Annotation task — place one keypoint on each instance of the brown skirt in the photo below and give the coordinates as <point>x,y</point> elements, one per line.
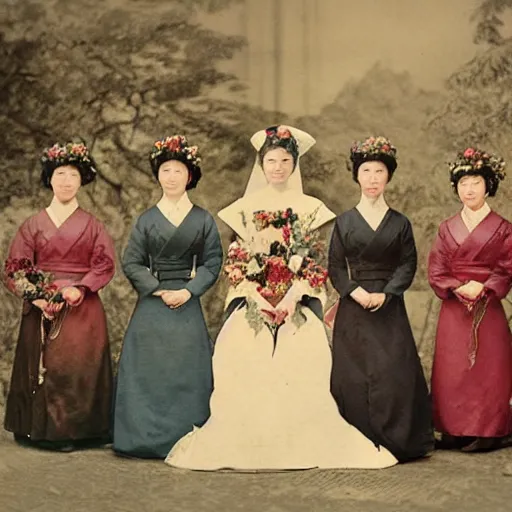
<point>74,399</point>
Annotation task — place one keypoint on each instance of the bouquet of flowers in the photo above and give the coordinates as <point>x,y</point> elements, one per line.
<point>31,283</point>
<point>291,258</point>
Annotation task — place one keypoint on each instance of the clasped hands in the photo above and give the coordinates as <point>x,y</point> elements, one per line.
<point>72,297</point>
<point>471,290</point>
<point>173,298</point>
<point>371,301</point>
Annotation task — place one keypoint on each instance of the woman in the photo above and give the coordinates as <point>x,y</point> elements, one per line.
<point>377,379</point>
<point>470,270</point>
<point>61,387</point>
<point>271,407</point>
<point>173,257</point>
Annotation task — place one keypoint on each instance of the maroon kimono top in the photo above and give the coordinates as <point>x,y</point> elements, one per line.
<point>74,400</point>
<point>472,371</point>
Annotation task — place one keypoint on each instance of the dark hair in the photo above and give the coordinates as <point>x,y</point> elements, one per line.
<point>358,159</point>
<point>275,140</point>
<point>87,170</point>
<point>492,180</point>
<point>194,171</point>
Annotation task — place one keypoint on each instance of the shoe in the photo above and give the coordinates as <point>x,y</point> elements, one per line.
<point>56,446</point>
<point>24,441</point>
<point>480,444</point>
<point>448,442</point>
<point>91,443</point>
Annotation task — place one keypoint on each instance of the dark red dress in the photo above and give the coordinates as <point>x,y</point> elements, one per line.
<point>472,371</point>
<point>74,400</point>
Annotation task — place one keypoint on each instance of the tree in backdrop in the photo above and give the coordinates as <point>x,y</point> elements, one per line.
<point>478,109</point>
<point>119,76</point>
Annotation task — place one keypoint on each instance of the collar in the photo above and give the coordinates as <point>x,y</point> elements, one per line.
<point>63,210</point>
<point>167,205</point>
<point>475,217</point>
<point>379,205</point>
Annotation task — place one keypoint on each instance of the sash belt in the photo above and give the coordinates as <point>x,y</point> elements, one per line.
<point>169,275</point>
<point>370,274</point>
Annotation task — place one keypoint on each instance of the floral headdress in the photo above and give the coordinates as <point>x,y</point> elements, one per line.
<point>176,145</point>
<point>69,153</point>
<point>277,135</point>
<point>374,146</point>
<point>474,159</point>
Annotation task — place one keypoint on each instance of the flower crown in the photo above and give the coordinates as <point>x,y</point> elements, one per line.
<point>473,159</point>
<point>71,152</point>
<point>177,144</point>
<point>281,133</point>
<point>374,146</point>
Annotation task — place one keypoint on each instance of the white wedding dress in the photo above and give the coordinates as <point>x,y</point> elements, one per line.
<point>274,411</point>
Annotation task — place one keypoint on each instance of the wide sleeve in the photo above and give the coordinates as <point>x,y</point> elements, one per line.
<point>136,265</point>
<point>440,276</point>
<point>22,246</point>
<point>337,265</point>
<point>208,272</point>
<point>500,280</point>
<point>102,262</point>
<point>404,273</point>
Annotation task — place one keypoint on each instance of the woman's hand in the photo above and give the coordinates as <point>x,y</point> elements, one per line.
<point>49,309</point>
<point>376,301</point>
<point>40,303</point>
<point>52,309</point>
<point>72,295</point>
<point>362,297</point>
<point>174,298</point>
<point>470,290</point>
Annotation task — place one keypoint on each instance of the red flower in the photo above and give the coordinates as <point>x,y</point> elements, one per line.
<point>278,271</point>
<point>286,234</point>
<point>469,153</point>
<point>173,144</point>
<point>283,132</point>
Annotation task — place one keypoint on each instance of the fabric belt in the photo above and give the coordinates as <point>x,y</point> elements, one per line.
<point>370,274</point>
<point>169,275</point>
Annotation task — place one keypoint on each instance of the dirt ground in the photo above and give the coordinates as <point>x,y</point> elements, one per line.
<point>96,480</point>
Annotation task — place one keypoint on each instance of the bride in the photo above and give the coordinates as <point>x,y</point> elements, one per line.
<point>271,407</point>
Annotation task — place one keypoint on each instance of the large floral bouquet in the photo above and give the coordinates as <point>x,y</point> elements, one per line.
<point>31,283</point>
<point>292,258</point>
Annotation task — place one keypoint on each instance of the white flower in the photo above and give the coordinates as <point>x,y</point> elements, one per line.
<point>295,263</point>
<point>253,267</point>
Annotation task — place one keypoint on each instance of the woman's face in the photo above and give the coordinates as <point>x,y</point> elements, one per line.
<point>471,190</point>
<point>277,166</point>
<point>65,182</point>
<point>173,176</point>
<point>372,177</point>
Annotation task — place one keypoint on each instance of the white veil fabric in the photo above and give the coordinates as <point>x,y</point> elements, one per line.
<point>260,195</point>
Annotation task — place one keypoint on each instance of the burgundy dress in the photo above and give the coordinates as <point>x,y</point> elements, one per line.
<point>472,371</point>
<point>74,400</point>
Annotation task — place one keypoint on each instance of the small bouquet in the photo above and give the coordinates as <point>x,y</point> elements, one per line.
<point>31,283</point>
<point>292,258</point>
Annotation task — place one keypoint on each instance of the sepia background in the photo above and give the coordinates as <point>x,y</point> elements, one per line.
<point>433,76</point>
